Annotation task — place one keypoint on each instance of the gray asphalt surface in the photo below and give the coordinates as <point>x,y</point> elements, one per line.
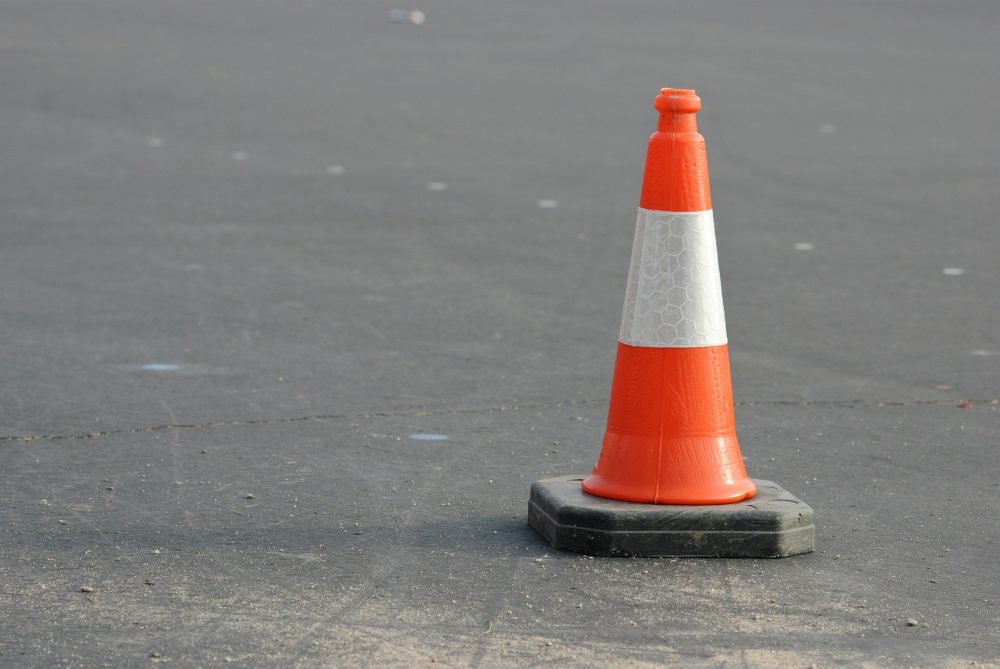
<point>237,193</point>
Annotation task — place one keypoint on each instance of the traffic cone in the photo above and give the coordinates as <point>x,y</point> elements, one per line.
<point>670,479</point>
<point>671,435</point>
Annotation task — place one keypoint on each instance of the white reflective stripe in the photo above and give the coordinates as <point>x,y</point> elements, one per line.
<point>674,295</point>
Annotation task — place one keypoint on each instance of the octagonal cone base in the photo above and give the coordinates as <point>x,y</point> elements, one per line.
<point>774,523</point>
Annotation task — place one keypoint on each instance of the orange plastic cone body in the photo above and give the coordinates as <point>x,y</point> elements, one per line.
<point>671,433</point>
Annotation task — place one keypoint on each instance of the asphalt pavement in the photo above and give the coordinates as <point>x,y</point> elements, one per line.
<point>297,298</point>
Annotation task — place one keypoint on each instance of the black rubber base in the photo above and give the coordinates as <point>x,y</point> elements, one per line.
<point>774,523</point>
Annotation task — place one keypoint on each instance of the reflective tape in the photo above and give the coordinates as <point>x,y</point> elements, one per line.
<point>674,295</point>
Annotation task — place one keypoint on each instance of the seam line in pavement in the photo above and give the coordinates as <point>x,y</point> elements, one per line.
<point>481,410</point>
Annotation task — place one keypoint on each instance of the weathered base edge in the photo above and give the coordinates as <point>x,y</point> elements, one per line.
<point>774,523</point>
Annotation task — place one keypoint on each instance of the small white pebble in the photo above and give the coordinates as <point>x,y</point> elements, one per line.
<point>910,622</point>
<point>437,185</point>
<point>335,169</point>
<point>804,246</point>
<point>548,204</point>
<point>415,17</point>
<point>953,271</point>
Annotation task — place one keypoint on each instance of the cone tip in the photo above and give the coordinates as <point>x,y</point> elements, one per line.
<point>678,100</point>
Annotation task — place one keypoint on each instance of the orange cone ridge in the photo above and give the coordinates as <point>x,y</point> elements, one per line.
<point>671,433</point>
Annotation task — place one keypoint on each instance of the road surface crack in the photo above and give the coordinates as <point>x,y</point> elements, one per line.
<point>416,413</point>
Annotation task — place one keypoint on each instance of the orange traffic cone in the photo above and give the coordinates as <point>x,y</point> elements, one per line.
<point>671,435</point>
<point>670,479</point>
